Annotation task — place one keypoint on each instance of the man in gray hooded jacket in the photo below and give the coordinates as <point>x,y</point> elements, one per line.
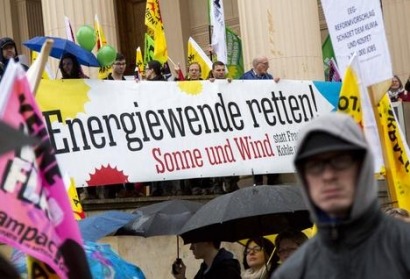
<point>355,239</point>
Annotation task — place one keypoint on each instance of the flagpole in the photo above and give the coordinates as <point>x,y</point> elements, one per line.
<point>209,30</point>
<point>210,40</point>
<point>39,65</point>
<point>389,176</point>
<point>170,60</point>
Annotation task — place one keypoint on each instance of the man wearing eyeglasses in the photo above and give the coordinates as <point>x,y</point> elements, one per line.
<point>355,239</point>
<point>118,68</point>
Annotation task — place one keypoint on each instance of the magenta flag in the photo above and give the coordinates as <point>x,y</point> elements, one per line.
<point>35,212</point>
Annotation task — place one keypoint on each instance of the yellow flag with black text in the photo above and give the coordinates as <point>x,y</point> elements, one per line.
<point>397,152</point>
<point>153,21</point>
<point>349,98</point>
<point>139,63</point>
<point>354,100</point>
<point>101,41</point>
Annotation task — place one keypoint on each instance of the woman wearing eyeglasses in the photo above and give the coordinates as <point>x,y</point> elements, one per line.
<point>259,259</point>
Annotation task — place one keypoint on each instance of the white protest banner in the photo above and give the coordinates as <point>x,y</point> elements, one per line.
<point>357,26</point>
<point>112,132</point>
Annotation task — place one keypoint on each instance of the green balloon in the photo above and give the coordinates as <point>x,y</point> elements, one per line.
<point>86,37</point>
<point>106,55</point>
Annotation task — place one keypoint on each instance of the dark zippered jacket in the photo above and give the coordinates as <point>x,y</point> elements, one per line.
<point>368,244</point>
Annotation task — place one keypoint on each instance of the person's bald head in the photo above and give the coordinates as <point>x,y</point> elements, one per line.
<point>260,65</point>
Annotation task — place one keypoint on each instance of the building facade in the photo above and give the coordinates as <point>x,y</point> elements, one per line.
<point>289,32</point>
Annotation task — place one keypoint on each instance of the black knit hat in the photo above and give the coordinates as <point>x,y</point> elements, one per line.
<point>321,142</point>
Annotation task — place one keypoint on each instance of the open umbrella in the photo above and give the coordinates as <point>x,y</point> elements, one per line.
<point>62,46</point>
<point>163,218</point>
<point>248,212</point>
<point>11,138</point>
<point>104,263</point>
<point>95,227</point>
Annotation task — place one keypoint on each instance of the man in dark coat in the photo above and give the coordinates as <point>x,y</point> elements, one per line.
<point>355,238</point>
<point>218,262</point>
<point>8,50</point>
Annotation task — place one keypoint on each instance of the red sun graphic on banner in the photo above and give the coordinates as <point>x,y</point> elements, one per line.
<point>107,175</point>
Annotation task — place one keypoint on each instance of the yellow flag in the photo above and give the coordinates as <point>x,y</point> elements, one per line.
<point>139,62</point>
<point>75,201</point>
<point>196,54</point>
<point>349,99</point>
<point>354,100</point>
<point>397,152</point>
<point>45,74</point>
<point>153,21</point>
<point>37,269</point>
<point>101,41</point>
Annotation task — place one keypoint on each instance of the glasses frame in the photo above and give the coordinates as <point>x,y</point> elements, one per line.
<point>254,250</point>
<point>338,162</point>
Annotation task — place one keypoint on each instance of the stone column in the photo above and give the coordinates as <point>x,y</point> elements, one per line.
<point>175,15</point>
<point>6,19</point>
<point>397,26</point>
<point>287,32</point>
<point>80,13</point>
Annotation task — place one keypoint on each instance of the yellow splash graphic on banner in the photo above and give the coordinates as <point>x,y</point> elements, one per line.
<point>69,99</point>
<point>190,87</point>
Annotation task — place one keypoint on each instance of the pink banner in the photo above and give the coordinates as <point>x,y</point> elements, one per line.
<point>35,212</point>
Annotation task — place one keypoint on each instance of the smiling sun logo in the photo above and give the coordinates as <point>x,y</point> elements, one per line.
<point>69,96</point>
<point>190,87</point>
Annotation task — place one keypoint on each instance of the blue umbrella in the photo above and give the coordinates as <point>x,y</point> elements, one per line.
<point>62,46</point>
<point>104,263</point>
<point>95,227</point>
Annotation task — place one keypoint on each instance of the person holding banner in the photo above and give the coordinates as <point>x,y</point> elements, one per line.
<point>194,71</point>
<point>355,239</point>
<point>260,68</point>
<point>153,71</point>
<point>118,68</point>
<point>259,71</point>
<point>218,72</point>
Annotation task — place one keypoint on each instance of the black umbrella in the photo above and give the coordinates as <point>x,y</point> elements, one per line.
<point>163,218</point>
<point>248,212</point>
<point>11,138</point>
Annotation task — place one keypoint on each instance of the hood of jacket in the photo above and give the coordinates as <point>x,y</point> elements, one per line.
<point>341,126</point>
<point>3,42</point>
